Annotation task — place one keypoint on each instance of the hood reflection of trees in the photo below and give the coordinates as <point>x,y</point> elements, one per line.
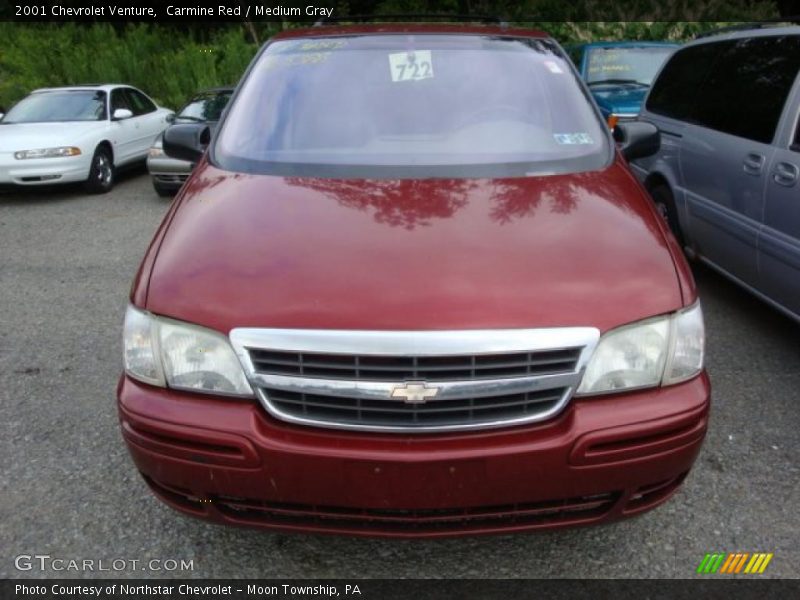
<point>411,203</point>
<point>406,203</point>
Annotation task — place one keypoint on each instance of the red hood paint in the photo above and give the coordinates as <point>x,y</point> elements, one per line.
<point>265,251</point>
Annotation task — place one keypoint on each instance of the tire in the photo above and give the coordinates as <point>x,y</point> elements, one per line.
<point>665,206</point>
<point>164,191</point>
<point>101,173</point>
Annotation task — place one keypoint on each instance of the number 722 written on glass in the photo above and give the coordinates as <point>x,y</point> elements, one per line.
<point>410,66</point>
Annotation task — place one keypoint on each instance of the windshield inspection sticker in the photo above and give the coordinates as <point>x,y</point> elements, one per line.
<point>573,138</point>
<point>411,66</point>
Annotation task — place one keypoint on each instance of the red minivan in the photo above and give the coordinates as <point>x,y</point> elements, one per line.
<point>413,289</point>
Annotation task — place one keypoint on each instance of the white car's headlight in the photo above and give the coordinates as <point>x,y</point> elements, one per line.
<point>179,355</point>
<point>661,351</point>
<point>48,152</point>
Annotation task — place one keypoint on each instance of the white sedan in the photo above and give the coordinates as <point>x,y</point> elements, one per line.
<point>81,133</point>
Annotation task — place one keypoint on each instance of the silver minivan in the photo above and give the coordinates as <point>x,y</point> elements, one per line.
<point>727,176</point>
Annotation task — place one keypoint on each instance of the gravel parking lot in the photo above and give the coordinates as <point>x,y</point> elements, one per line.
<point>70,490</point>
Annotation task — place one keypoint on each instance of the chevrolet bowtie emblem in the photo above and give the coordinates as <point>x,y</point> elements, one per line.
<point>414,392</point>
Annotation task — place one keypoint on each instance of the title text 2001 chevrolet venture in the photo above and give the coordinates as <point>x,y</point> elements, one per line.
<point>413,289</point>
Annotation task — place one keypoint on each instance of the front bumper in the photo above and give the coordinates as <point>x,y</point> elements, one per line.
<point>43,171</point>
<point>168,172</point>
<point>229,462</point>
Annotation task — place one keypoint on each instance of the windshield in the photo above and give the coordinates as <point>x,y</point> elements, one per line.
<point>412,106</point>
<point>620,65</point>
<point>205,107</point>
<point>50,107</point>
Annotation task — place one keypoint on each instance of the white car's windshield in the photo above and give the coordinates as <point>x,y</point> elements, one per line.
<point>412,105</point>
<point>51,107</point>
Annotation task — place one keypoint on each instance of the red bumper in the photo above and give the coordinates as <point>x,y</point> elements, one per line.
<point>228,461</point>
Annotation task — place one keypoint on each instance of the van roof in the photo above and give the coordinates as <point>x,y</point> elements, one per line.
<point>747,30</point>
<point>390,28</point>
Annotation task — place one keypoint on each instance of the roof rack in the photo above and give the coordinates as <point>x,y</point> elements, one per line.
<point>754,25</point>
<point>412,17</point>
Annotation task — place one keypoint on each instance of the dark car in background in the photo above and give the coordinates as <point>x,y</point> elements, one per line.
<point>169,173</point>
<point>727,177</point>
<point>619,73</point>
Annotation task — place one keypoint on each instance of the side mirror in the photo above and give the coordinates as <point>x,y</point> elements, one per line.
<point>170,118</point>
<point>637,139</point>
<point>187,142</point>
<point>122,113</point>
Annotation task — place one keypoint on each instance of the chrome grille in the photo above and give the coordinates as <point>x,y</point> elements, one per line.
<point>363,380</point>
<point>430,368</point>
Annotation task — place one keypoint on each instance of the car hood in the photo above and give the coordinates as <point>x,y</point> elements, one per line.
<point>620,99</point>
<point>31,136</point>
<point>266,251</point>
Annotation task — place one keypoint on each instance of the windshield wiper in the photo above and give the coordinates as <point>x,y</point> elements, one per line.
<point>616,81</point>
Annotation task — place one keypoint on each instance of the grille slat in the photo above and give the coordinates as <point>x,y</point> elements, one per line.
<point>400,414</point>
<point>430,368</point>
<point>304,364</point>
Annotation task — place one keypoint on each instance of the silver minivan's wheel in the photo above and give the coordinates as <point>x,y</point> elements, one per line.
<point>665,206</point>
<point>101,173</point>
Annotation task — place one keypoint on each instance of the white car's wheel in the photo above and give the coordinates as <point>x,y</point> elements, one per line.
<point>101,173</point>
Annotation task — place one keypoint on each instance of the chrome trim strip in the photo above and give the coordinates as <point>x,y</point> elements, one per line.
<point>542,416</point>
<point>447,390</point>
<point>413,343</point>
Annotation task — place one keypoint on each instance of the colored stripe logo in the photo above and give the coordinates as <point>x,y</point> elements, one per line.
<point>733,563</point>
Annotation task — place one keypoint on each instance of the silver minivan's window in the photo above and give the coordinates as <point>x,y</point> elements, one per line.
<point>740,86</point>
<point>412,106</point>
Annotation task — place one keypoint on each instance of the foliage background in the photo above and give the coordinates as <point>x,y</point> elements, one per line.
<point>170,62</point>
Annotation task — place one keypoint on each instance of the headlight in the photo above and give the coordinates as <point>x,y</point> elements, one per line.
<point>139,340</point>
<point>661,351</point>
<point>173,354</point>
<point>48,152</point>
<point>688,346</point>
<point>156,150</point>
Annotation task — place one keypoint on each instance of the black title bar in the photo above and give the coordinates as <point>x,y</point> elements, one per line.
<point>396,589</point>
<point>311,11</point>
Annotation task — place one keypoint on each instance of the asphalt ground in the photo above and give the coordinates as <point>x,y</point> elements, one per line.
<point>70,491</point>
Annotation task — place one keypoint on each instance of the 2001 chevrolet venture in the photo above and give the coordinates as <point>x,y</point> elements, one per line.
<point>413,289</point>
